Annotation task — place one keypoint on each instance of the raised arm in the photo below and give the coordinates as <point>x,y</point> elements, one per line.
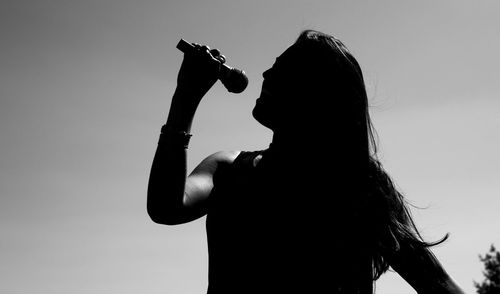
<point>166,203</point>
<point>421,269</point>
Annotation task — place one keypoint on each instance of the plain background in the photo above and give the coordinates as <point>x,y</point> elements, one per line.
<point>86,85</point>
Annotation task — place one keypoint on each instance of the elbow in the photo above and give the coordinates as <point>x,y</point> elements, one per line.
<point>163,214</point>
<point>163,218</point>
<point>160,207</point>
<point>156,217</point>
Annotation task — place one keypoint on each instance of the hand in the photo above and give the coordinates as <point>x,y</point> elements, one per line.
<point>199,72</point>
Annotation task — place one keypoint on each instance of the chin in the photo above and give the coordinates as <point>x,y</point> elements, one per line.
<point>262,117</point>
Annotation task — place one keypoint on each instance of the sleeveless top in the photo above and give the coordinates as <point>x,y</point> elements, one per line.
<point>268,233</point>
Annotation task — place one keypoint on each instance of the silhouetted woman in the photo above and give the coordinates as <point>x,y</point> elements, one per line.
<point>313,213</point>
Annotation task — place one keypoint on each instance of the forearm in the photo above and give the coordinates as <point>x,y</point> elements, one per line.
<point>167,180</point>
<point>422,270</point>
<point>169,168</point>
<point>452,287</point>
<point>182,110</point>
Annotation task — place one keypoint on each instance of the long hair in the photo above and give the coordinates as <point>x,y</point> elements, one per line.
<point>387,212</point>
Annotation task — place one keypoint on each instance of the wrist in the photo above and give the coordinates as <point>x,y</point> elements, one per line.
<point>179,123</point>
<point>174,137</point>
<point>189,93</point>
<point>181,113</point>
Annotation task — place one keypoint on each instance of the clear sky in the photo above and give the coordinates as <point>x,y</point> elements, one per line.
<point>86,85</point>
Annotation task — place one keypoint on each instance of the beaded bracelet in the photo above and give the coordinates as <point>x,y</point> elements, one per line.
<point>174,137</point>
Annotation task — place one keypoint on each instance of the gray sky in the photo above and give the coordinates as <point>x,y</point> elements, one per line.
<point>85,87</point>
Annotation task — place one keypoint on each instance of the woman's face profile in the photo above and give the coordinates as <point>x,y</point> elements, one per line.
<point>279,89</point>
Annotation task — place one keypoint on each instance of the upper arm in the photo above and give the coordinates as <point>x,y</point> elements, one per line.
<point>421,269</point>
<point>199,184</point>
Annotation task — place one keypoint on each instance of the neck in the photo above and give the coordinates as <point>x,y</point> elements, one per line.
<point>288,143</point>
<point>288,152</point>
<point>313,142</point>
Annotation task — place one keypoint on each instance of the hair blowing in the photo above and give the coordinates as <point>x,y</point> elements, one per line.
<point>388,212</point>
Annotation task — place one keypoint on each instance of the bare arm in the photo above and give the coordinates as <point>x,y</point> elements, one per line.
<point>172,199</point>
<point>421,269</point>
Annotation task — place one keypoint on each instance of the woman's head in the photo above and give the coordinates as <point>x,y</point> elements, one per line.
<point>315,84</point>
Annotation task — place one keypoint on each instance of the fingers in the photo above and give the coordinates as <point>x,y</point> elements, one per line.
<point>215,53</point>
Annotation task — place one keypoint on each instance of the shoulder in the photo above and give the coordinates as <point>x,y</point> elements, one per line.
<point>222,160</point>
<point>216,160</point>
<point>223,157</point>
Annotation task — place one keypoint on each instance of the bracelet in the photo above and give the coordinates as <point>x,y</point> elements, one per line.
<point>180,138</point>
